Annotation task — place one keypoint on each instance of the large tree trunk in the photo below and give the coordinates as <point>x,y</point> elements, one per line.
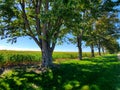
<point>46,54</point>
<point>92,51</point>
<point>46,58</point>
<point>79,44</point>
<point>46,50</point>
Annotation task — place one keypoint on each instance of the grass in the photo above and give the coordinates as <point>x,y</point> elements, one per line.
<point>100,73</point>
<point>14,57</point>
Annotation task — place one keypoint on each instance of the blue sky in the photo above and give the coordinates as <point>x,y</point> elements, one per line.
<point>28,44</point>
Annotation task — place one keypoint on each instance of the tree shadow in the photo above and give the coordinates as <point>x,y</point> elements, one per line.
<point>111,58</point>
<point>68,76</point>
<point>2,69</point>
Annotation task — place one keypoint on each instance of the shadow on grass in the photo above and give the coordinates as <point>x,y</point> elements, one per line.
<point>69,76</point>
<point>108,58</point>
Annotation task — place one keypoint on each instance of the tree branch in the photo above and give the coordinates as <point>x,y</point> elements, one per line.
<point>27,25</point>
<point>25,16</point>
<point>56,34</point>
<point>37,11</point>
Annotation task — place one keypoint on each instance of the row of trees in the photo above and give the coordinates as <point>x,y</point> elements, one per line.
<point>47,21</point>
<point>100,33</point>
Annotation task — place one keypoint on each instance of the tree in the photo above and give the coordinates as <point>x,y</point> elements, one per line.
<point>41,20</point>
<point>79,23</point>
<point>107,29</point>
<point>112,46</point>
<point>89,38</point>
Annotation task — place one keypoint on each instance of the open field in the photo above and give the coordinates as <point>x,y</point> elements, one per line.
<point>100,73</point>
<point>14,57</point>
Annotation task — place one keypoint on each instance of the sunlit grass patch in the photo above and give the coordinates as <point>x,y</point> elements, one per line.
<point>7,73</point>
<point>71,84</point>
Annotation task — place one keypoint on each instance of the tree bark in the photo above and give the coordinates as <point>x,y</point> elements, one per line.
<point>46,57</point>
<point>92,51</point>
<point>46,50</point>
<point>80,53</point>
<point>79,44</point>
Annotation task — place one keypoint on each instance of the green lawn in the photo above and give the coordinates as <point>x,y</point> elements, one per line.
<point>100,73</point>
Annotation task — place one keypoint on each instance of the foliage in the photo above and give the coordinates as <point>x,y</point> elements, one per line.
<point>41,20</point>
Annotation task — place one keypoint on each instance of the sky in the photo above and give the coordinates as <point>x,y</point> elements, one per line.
<point>24,43</point>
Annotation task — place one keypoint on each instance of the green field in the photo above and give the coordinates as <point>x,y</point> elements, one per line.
<point>99,73</point>
<point>15,57</point>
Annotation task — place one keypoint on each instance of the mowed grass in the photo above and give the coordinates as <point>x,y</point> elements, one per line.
<point>100,73</point>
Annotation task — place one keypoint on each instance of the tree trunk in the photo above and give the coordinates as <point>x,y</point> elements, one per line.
<point>46,58</point>
<point>92,51</point>
<point>99,49</point>
<point>79,44</point>
<point>46,54</point>
<point>46,50</point>
<point>80,53</point>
